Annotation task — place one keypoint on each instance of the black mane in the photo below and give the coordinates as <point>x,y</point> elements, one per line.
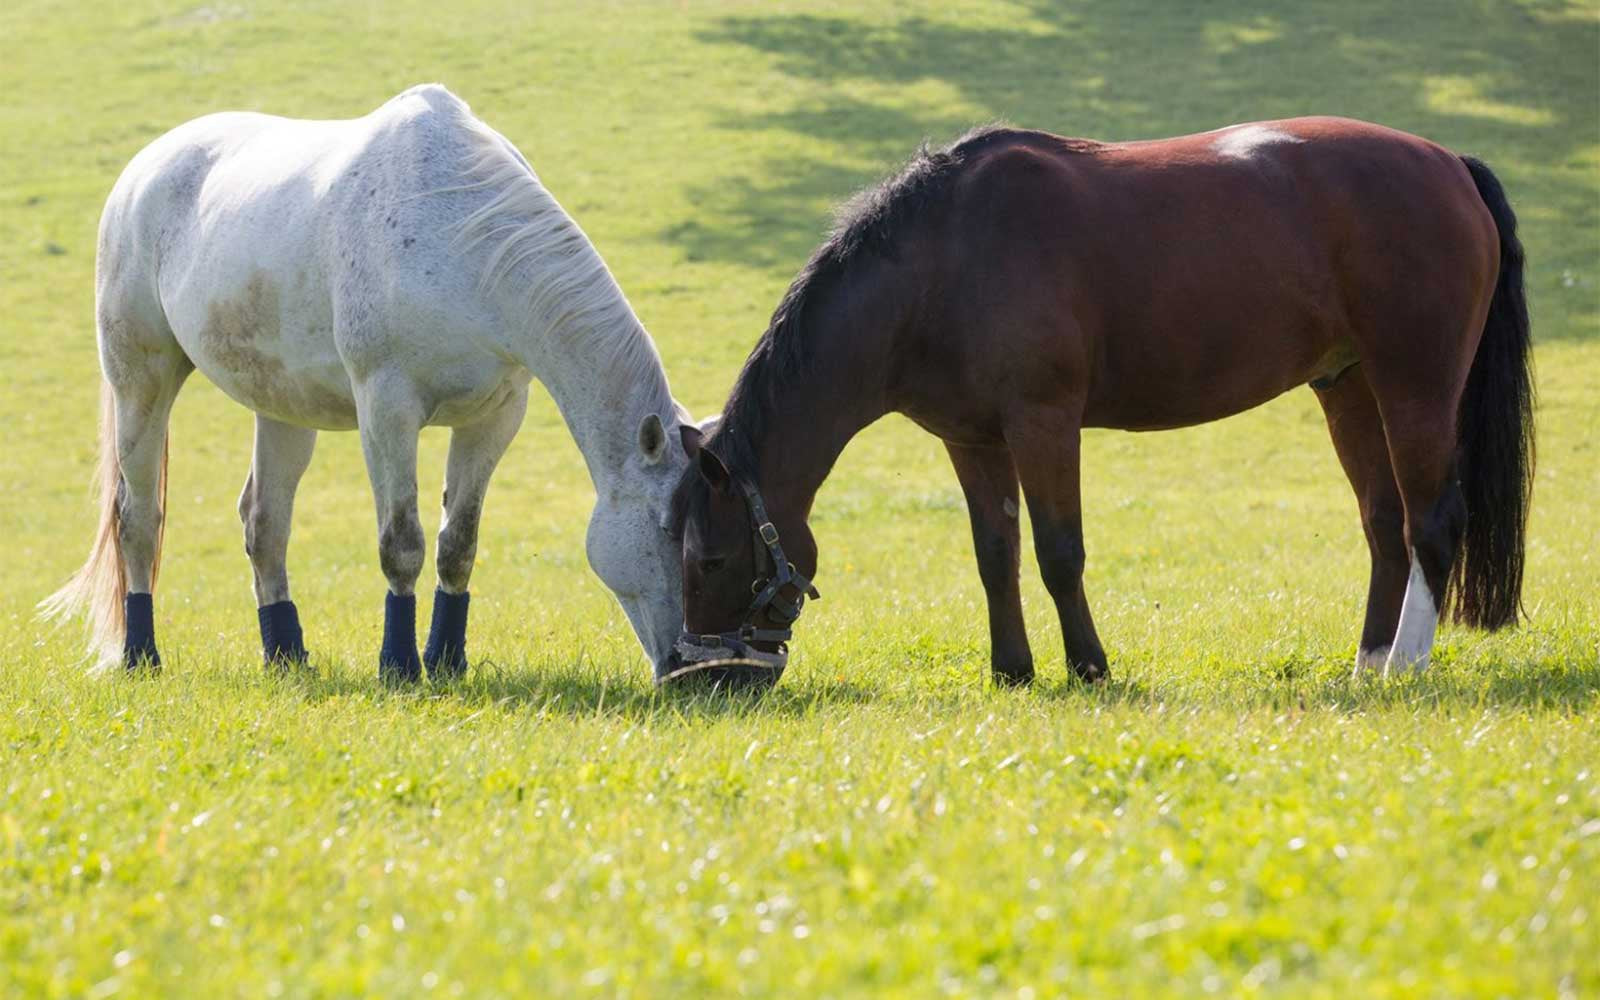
<point>868,223</point>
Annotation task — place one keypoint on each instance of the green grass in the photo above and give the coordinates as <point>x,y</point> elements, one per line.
<point>1230,814</point>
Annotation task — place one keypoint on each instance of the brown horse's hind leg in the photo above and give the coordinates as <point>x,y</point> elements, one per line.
<point>1357,432</point>
<point>1044,448</point>
<point>1418,392</point>
<point>1422,447</point>
<point>990,484</point>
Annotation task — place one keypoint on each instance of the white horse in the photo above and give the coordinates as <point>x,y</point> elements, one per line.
<point>384,273</point>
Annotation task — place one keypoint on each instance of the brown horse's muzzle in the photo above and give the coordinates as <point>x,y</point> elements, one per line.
<point>754,654</point>
<point>721,663</point>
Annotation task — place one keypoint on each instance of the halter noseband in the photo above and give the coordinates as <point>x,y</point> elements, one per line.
<point>696,647</point>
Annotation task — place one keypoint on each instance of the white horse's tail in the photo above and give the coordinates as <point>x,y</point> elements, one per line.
<point>101,584</point>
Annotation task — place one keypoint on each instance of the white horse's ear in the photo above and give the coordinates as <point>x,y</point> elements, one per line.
<point>652,439</point>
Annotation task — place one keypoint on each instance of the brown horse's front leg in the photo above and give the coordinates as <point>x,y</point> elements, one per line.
<point>990,484</point>
<point>1044,448</point>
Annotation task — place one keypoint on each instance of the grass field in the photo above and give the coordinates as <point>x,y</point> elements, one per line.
<point>1231,814</point>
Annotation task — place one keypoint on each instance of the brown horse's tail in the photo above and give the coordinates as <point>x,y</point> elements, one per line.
<point>1495,428</point>
<point>101,584</point>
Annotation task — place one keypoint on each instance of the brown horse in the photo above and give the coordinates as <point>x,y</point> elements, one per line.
<point>1018,286</point>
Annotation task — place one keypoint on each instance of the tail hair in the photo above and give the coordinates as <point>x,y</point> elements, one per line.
<point>1496,435</point>
<point>100,585</point>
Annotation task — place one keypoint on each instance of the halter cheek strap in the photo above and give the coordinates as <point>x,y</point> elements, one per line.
<point>769,598</point>
<point>769,593</point>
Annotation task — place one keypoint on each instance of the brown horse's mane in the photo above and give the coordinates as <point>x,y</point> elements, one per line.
<point>871,222</point>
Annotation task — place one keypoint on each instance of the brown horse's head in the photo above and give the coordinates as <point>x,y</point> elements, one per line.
<point>741,592</point>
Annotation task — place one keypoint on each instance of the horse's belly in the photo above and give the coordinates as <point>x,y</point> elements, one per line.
<point>308,397</point>
<point>280,362</point>
<point>291,391</point>
<point>1194,376</point>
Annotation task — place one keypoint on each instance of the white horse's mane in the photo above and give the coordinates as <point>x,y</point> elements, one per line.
<point>567,292</point>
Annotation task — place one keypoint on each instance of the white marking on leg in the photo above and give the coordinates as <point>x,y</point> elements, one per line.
<point>1371,659</point>
<point>1419,616</point>
<point>1245,141</point>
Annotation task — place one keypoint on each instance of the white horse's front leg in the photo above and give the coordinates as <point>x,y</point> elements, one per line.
<point>475,450</point>
<point>266,506</point>
<point>390,417</point>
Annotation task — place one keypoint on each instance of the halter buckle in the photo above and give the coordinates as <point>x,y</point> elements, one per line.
<point>768,531</point>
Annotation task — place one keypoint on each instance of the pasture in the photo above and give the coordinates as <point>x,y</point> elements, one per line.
<point>1230,814</point>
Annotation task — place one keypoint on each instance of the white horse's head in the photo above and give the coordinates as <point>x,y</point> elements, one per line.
<point>632,546</point>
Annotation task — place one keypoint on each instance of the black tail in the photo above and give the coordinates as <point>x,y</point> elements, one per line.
<point>1495,428</point>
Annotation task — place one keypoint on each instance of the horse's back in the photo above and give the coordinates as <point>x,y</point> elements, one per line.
<point>272,248</point>
<point>1167,254</point>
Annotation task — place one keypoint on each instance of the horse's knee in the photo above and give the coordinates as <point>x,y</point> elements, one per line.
<point>1061,561</point>
<point>997,558</point>
<point>457,549</point>
<point>400,548</point>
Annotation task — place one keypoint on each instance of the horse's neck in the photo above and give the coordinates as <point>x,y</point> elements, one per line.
<point>603,388</point>
<point>817,411</point>
<point>563,316</point>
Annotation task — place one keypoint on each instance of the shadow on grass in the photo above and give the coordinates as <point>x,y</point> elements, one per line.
<point>1542,683</point>
<point>1513,82</point>
<point>580,691</point>
<point>1308,685</point>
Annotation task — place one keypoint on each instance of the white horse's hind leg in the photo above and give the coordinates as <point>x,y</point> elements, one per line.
<point>390,418</point>
<point>141,454</point>
<point>266,506</point>
<point>475,450</point>
<point>145,375</point>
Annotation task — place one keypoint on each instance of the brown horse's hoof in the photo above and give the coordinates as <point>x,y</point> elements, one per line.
<point>1020,676</point>
<point>1091,672</point>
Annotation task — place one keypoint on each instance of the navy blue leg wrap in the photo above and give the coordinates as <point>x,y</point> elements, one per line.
<point>281,639</point>
<point>398,660</point>
<point>139,641</point>
<point>446,655</point>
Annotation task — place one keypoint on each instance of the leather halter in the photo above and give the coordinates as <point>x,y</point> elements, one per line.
<point>696,647</point>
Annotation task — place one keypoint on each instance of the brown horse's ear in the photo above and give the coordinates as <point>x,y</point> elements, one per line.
<point>693,438</point>
<point>713,471</point>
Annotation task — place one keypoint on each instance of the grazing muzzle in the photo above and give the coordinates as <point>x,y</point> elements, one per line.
<point>695,650</point>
